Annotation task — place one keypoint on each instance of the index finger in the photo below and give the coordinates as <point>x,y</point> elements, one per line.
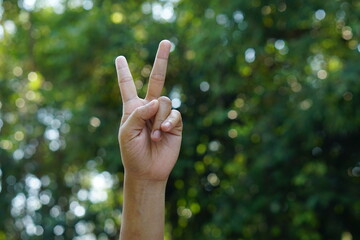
<point>158,73</point>
<point>125,80</point>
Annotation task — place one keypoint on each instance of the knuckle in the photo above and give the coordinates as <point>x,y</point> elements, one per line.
<point>165,99</point>
<point>159,121</point>
<point>126,78</point>
<point>138,111</point>
<point>157,77</point>
<point>176,113</point>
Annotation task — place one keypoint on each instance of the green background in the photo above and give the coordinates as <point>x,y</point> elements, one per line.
<point>268,91</point>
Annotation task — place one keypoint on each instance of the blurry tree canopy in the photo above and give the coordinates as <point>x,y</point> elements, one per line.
<point>269,92</point>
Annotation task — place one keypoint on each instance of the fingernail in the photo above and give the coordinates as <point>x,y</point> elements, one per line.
<point>120,60</point>
<point>166,124</point>
<point>156,134</point>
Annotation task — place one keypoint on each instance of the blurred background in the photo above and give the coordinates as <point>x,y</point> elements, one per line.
<point>269,92</point>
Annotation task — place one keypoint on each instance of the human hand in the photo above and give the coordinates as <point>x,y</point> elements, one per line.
<point>150,132</point>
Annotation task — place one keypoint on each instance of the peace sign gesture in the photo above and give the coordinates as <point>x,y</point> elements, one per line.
<point>150,131</point>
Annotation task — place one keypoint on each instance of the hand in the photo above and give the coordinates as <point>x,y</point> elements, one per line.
<point>150,132</point>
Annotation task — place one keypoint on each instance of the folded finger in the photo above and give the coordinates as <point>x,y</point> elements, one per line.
<point>172,122</point>
<point>162,114</point>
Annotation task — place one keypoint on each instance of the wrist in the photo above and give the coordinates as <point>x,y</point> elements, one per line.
<point>137,184</point>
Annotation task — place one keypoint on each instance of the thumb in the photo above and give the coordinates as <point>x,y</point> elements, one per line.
<point>138,117</point>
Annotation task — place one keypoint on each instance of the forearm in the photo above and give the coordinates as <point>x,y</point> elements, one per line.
<point>143,209</point>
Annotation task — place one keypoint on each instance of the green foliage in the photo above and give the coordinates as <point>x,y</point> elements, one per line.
<point>269,93</point>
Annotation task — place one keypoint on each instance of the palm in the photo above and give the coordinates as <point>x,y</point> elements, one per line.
<point>142,155</point>
<point>162,155</point>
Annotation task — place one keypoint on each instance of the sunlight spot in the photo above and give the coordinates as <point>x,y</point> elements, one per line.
<point>222,19</point>
<point>100,183</point>
<point>45,197</point>
<point>282,7</point>
<point>1,32</point>
<point>77,209</point>
<point>30,229</point>
<point>117,17</point>
<point>19,136</point>
<point>59,230</point>
<point>232,114</point>
<point>81,227</point>
<point>250,55</point>
<point>204,86</point>
<point>74,3</point>
<point>82,195</point>
<point>110,226</point>
<point>39,230</point>
<point>322,74</point>
<point>33,203</point>
<point>239,102</point>
<point>10,27</point>
<point>20,102</point>
<point>1,11</point>
<point>184,212</point>
<point>295,86</point>
<point>232,133</point>
<point>33,182</point>
<point>320,14</point>
<point>167,13</point>
<point>55,123</point>
<point>316,151</point>
<point>173,46</point>
<point>146,8</point>
<point>95,122</point>
<point>238,16</point>
<point>52,134</point>
<point>266,10</point>
<point>54,145</point>
<point>306,104</point>
<point>32,76</point>
<point>279,44</point>
<point>347,33</point>
<point>88,4</point>
<point>88,236</point>
<point>176,103</point>
<point>346,236</point>
<point>17,71</point>
<point>214,146</point>
<point>145,71</point>
<point>55,211</point>
<point>163,12</point>
<point>6,144</point>
<point>209,13</point>
<point>45,180</point>
<point>19,201</point>
<point>29,5</point>
<point>213,179</point>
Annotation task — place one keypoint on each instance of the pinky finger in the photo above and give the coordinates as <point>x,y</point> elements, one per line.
<point>172,122</point>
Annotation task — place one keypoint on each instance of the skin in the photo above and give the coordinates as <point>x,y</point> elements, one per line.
<point>150,137</point>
